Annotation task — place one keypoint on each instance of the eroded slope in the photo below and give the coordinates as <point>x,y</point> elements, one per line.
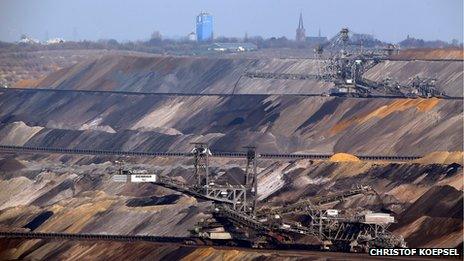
<point>229,75</point>
<point>276,123</point>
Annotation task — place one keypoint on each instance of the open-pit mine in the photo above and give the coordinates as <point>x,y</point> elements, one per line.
<point>165,157</point>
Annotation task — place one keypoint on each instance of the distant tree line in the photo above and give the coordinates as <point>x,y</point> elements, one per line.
<point>411,42</point>
<point>158,45</point>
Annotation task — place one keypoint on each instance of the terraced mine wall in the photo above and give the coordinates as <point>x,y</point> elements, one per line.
<point>76,250</point>
<point>279,124</point>
<point>75,193</point>
<point>64,194</point>
<point>430,54</point>
<point>232,76</point>
<point>449,74</point>
<point>27,68</point>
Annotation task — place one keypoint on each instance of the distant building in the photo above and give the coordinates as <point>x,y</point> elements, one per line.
<point>300,31</point>
<point>28,40</point>
<point>192,36</point>
<point>233,47</point>
<point>156,35</point>
<point>55,41</point>
<point>317,39</point>
<point>204,25</point>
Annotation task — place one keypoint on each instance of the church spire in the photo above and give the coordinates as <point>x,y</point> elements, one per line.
<point>300,31</point>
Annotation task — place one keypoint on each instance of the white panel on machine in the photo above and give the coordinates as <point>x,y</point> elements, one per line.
<point>143,178</point>
<point>119,178</point>
<point>332,212</point>
<point>378,218</point>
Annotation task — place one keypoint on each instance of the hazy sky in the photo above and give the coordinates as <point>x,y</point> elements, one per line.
<point>389,20</point>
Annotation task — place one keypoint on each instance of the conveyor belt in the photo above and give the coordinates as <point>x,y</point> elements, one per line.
<point>13,89</point>
<point>282,76</point>
<point>84,236</point>
<point>48,150</point>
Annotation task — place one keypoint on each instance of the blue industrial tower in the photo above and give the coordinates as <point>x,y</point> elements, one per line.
<point>204,27</point>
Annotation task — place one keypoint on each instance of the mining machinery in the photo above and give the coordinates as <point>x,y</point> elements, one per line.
<point>330,228</point>
<point>347,64</point>
<point>235,216</point>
